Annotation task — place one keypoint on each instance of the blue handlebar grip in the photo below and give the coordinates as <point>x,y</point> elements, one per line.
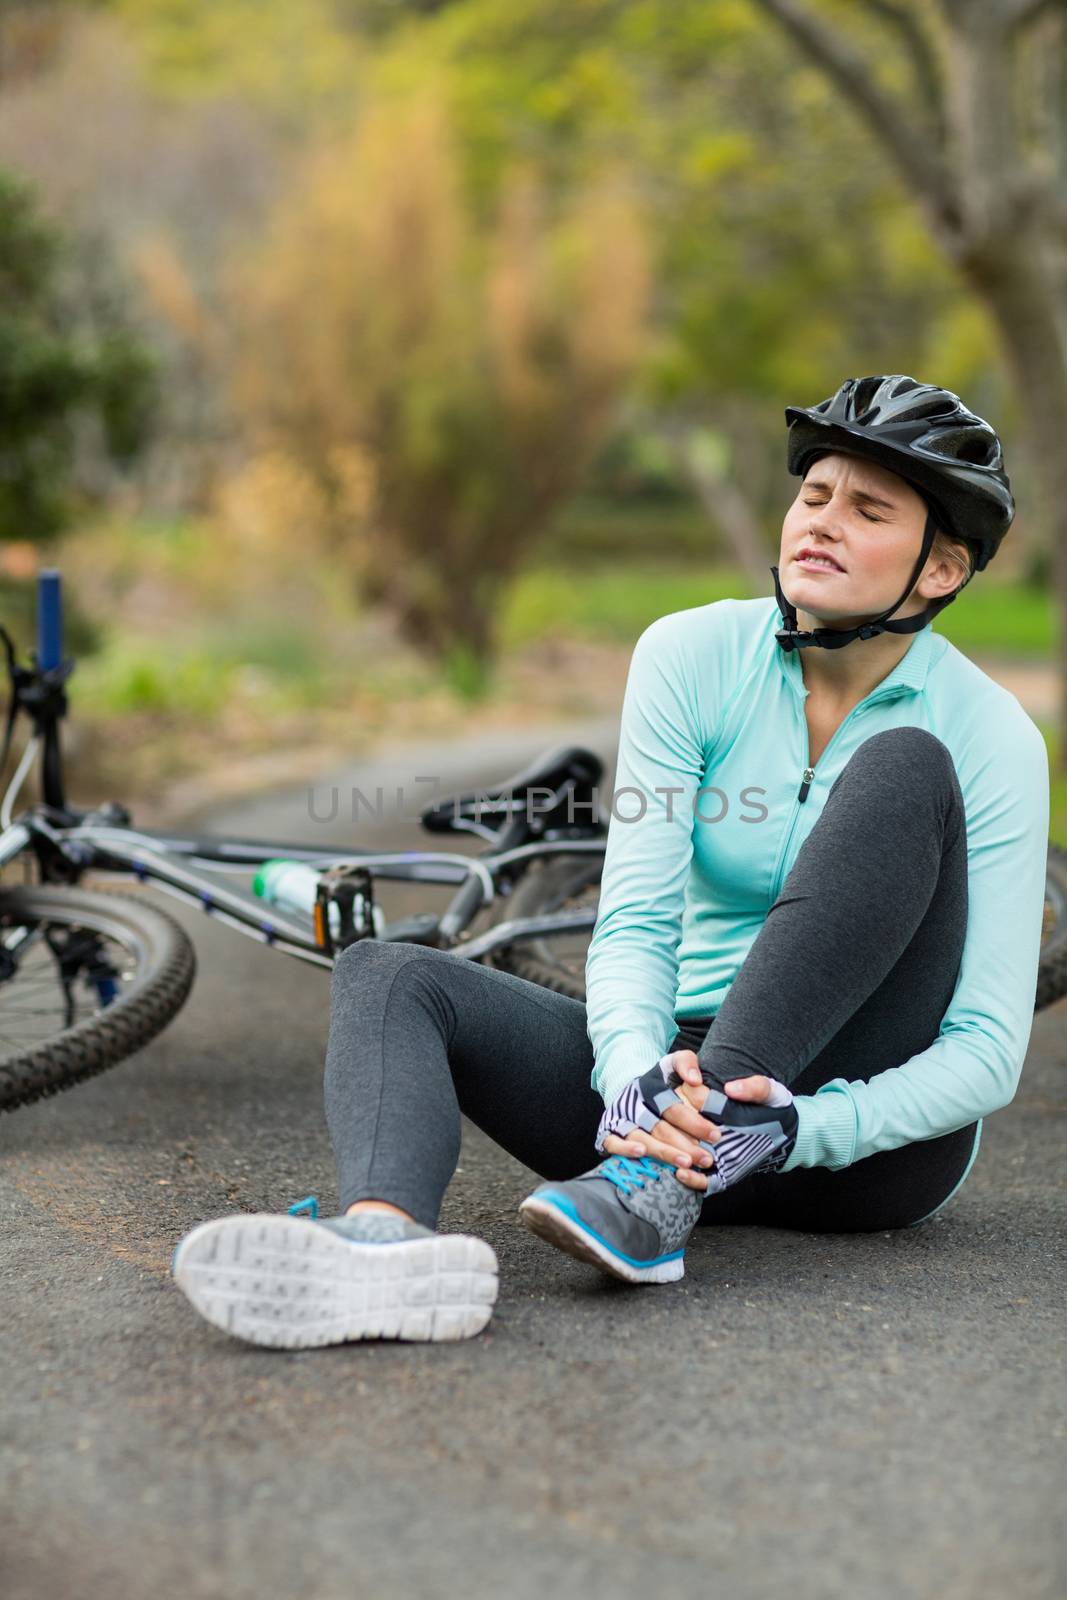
<point>49,619</point>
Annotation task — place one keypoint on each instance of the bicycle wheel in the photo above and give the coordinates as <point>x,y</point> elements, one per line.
<point>554,960</point>
<point>86,978</point>
<point>557,961</point>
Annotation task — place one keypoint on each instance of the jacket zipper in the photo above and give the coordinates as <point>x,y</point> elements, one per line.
<point>809,772</point>
<point>808,777</point>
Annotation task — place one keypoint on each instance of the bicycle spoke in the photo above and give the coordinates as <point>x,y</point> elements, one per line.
<point>44,1004</point>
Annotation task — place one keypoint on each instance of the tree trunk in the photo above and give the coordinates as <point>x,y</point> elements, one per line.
<point>725,503</point>
<point>452,630</point>
<point>991,177</point>
<point>1016,288</point>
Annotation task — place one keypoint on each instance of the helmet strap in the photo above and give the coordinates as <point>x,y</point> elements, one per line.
<point>792,637</point>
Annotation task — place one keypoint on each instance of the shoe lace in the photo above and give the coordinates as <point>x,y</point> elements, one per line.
<point>627,1174</point>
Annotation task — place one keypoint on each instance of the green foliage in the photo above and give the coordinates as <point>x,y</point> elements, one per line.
<point>125,386</point>
<point>293,57</point>
<point>51,375</point>
<point>609,604</point>
<point>133,675</point>
<point>1010,619</point>
<point>466,672</point>
<point>206,671</point>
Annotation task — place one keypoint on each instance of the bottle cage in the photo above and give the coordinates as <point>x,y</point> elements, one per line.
<point>351,890</point>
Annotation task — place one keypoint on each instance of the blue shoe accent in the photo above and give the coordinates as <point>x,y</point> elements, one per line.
<point>627,1174</point>
<point>561,1203</point>
<point>629,1217</point>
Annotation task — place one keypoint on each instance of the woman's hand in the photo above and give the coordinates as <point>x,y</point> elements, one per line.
<point>757,1089</point>
<point>676,1137</point>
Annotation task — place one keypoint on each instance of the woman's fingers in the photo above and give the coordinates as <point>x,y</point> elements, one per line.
<point>686,1064</point>
<point>693,1091</point>
<point>691,1178</point>
<point>757,1087</point>
<point>691,1122</point>
<point>648,1144</point>
<point>673,1150</point>
<point>616,1146</point>
<point>663,1149</point>
<point>680,1148</point>
<point>693,1095</point>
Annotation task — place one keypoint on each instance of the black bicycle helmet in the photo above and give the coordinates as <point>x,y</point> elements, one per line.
<point>927,436</point>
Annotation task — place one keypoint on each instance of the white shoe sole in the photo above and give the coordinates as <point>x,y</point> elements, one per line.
<point>288,1283</point>
<point>548,1222</point>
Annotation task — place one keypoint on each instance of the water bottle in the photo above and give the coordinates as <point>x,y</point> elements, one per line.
<point>293,886</point>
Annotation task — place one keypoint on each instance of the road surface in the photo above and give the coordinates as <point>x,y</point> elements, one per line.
<point>819,1416</point>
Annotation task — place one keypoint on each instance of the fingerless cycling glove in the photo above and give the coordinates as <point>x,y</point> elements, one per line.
<point>642,1103</point>
<point>755,1137</point>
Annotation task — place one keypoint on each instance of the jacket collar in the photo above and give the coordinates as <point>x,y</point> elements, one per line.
<point>907,677</point>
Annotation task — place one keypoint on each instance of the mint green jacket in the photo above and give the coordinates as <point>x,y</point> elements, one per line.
<point>712,702</point>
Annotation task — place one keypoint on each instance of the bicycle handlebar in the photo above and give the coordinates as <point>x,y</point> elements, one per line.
<point>49,619</point>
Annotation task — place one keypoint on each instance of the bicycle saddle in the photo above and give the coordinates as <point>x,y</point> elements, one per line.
<point>567,770</point>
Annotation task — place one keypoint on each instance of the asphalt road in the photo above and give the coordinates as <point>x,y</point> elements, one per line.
<point>818,1415</point>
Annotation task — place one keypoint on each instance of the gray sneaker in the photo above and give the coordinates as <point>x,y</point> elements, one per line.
<point>628,1217</point>
<point>294,1283</point>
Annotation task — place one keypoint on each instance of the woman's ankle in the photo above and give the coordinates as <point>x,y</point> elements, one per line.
<point>378,1205</point>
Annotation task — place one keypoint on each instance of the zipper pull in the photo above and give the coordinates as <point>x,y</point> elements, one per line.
<point>809,773</point>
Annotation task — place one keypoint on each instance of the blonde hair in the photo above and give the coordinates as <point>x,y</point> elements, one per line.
<point>948,547</point>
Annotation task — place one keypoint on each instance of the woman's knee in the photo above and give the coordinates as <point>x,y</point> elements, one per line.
<point>906,750</point>
<point>905,764</point>
<point>372,974</point>
<point>371,961</point>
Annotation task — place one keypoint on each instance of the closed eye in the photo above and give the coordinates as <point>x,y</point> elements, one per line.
<point>862,513</point>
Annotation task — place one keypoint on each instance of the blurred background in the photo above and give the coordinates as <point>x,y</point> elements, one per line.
<point>387,365</point>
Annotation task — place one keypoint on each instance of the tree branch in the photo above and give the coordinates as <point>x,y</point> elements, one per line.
<point>923,58</point>
<point>924,171</point>
<point>1019,13</point>
<point>1043,58</point>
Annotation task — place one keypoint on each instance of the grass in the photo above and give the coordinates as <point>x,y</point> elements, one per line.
<point>1057,786</point>
<point>616,603</point>
<point>134,672</point>
<point>613,605</point>
<point>1010,619</point>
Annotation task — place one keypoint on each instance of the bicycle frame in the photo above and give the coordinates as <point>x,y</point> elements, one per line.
<point>68,842</point>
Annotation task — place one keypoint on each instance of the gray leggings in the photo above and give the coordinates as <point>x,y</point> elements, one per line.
<point>851,973</point>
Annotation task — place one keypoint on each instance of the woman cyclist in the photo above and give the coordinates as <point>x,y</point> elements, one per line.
<point>815,959</point>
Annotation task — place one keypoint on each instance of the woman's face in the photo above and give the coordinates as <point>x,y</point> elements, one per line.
<point>868,525</point>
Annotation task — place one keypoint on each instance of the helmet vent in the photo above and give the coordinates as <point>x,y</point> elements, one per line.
<point>978,451</point>
<point>936,406</point>
<point>864,396</point>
